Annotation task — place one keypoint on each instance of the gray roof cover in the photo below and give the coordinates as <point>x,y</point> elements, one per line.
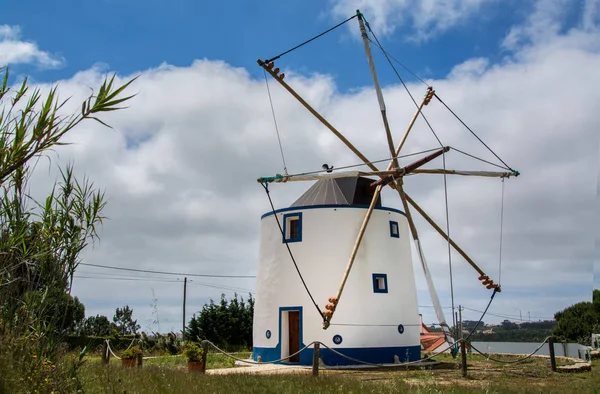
<point>338,191</point>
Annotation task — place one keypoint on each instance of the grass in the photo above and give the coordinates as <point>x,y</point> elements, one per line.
<point>213,361</point>
<point>170,375</point>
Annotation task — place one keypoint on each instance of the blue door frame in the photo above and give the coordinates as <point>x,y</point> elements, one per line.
<point>303,355</point>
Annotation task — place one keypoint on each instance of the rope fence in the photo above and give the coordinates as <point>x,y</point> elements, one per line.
<point>512,361</point>
<point>317,362</point>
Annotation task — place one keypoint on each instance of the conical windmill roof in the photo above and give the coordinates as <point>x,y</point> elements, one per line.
<point>338,191</point>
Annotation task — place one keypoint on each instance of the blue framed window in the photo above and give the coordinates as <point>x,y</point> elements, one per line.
<point>394,229</point>
<point>292,227</point>
<point>380,283</point>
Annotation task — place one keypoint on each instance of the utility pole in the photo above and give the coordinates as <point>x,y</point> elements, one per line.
<point>520,316</point>
<point>456,328</point>
<point>460,321</point>
<point>184,295</point>
<point>529,316</point>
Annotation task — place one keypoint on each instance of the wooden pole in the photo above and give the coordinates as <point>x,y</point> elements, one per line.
<point>443,234</point>
<point>552,356</point>
<point>140,360</point>
<point>463,354</point>
<point>386,125</point>
<point>490,174</point>
<point>361,232</point>
<point>184,297</point>
<point>317,115</point>
<point>460,326</point>
<point>456,329</point>
<point>105,353</point>
<point>204,356</point>
<point>414,118</point>
<point>315,364</point>
<point>368,216</point>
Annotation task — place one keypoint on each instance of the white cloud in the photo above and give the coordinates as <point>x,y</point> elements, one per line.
<point>470,68</point>
<point>181,164</point>
<point>426,18</point>
<point>548,19</point>
<point>591,14</point>
<point>14,50</point>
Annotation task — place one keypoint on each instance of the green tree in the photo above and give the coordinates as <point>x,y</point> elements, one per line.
<point>192,331</point>
<point>40,241</point>
<point>577,322</point>
<point>56,311</point>
<point>124,322</point>
<point>98,325</point>
<point>227,324</point>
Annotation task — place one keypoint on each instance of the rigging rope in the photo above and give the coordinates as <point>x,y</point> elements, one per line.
<point>472,132</point>
<point>397,61</point>
<point>483,160</point>
<point>387,56</point>
<point>266,187</point>
<point>482,316</point>
<point>275,121</point>
<point>448,240</point>
<point>314,38</point>
<point>367,163</point>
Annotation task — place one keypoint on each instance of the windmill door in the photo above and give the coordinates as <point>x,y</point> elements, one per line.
<point>294,335</point>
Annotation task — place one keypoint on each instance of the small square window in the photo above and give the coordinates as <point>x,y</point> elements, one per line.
<point>394,229</point>
<point>292,227</point>
<point>380,283</point>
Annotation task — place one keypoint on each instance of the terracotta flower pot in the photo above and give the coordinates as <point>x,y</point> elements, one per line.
<point>128,363</point>
<point>195,366</point>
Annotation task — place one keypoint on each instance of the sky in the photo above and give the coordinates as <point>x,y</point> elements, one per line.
<point>179,167</point>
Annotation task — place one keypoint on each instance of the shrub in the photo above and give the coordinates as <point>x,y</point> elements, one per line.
<point>131,353</point>
<point>193,352</point>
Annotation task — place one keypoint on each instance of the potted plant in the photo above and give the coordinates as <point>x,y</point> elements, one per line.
<point>193,353</point>
<point>129,356</point>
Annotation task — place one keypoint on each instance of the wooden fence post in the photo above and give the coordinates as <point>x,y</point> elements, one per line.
<point>463,353</point>
<point>552,357</point>
<point>105,353</point>
<point>204,356</point>
<point>315,365</point>
<point>140,360</point>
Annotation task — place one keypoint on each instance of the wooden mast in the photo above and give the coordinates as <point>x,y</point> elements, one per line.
<point>363,33</point>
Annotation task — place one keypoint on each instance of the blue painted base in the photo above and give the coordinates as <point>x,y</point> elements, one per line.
<point>380,355</point>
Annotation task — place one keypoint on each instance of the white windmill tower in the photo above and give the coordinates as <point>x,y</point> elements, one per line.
<point>339,228</point>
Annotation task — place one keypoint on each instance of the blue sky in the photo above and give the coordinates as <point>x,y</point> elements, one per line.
<point>130,36</point>
<point>483,54</point>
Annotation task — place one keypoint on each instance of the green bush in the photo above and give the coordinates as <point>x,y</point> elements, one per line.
<point>193,352</point>
<point>131,353</point>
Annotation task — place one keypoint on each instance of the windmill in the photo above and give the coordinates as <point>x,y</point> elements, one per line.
<point>392,176</point>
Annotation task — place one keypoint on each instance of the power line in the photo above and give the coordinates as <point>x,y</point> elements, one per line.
<point>130,279</point>
<point>168,273</point>
<point>141,279</point>
<point>509,316</point>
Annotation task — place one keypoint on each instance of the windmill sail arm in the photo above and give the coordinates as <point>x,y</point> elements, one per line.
<point>432,292</point>
<point>279,78</point>
<point>320,176</point>
<point>329,313</point>
<point>492,174</point>
<point>454,245</point>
